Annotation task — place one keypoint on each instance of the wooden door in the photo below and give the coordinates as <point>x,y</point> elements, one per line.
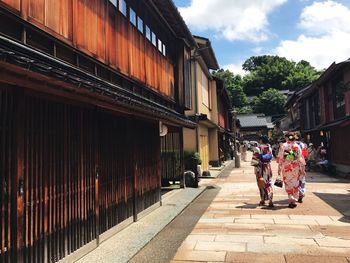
<point>204,152</point>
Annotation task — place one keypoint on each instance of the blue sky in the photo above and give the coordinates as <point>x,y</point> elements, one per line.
<point>317,31</point>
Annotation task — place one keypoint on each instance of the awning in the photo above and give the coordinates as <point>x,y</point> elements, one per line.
<point>29,60</point>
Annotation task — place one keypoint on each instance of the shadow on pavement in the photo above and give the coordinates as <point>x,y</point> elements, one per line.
<point>279,205</point>
<point>340,202</point>
<point>315,177</point>
<point>164,246</point>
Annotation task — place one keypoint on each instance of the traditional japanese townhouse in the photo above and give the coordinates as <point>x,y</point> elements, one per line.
<point>326,107</point>
<point>83,87</point>
<point>204,105</point>
<point>224,121</point>
<point>252,126</point>
<point>293,106</point>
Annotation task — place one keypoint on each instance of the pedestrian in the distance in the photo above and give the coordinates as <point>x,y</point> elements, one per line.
<point>262,162</point>
<point>311,161</point>
<point>243,149</point>
<point>291,166</point>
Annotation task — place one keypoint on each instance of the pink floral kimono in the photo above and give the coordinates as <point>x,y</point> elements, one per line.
<point>291,165</point>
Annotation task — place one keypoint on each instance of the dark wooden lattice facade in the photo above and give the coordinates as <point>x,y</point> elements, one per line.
<point>82,91</point>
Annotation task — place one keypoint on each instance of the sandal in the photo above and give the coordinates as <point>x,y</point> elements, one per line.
<point>271,204</point>
<point>262,203</point>
<point>292,205</point>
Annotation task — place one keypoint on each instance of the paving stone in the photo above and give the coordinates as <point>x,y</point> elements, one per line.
<point>200,238</point>
<point>314,259</point>
<point>216,220</point>
<point>177,261</point>
<point>271,216</point>
<point>254,257</point>
<point>273,248</point>
<point>333,242</point>
<point>255,221</point>
<point>295,222</point>
<point>188,245</point>
<point>221,246</point>
<point>238,238</point>
<point>191,255</point>
<point>290,240</point>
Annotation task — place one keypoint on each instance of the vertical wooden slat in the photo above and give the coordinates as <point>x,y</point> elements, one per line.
<point>17,207</point>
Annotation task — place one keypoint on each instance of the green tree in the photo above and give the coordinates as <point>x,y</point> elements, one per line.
<point>276,72</point>
<point>270,102</point>
<point>234,86</point>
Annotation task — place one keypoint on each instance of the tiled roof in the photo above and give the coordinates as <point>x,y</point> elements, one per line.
<point>253,120</point>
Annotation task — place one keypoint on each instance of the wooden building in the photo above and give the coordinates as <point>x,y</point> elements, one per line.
<point>252,126</point>
<point>224,121</point>
<point>325,107</point>
<point>204,111</point>
<point>83,86</point>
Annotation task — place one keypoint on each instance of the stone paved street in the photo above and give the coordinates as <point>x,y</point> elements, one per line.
<point>235,229</point>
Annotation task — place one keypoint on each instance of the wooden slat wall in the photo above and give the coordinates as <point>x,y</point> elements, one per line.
<point>55,15</point>
<point>15,4</point>
<point>65,148</point>
<point>339,145</point>
<point>89,26</point>
<point>116,177</point>
<point>7,169</point>
<point>98,29</point>
<point>59,180</point>
<point>171,157</point>
<point>147,172</point>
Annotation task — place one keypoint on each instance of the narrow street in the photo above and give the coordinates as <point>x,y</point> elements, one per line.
<point>233,228</point>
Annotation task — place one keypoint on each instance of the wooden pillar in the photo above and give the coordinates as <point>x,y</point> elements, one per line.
<point>17,202</point>
<point>181,142</point>
<point>97,175</point>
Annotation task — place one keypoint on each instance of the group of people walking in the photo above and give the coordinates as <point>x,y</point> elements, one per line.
<point>291,169</point>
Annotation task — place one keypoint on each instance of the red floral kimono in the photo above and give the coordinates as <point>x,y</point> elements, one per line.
<point>291,165</point>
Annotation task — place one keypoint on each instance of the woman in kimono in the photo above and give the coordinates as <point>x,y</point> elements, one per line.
<point>291,165</point>
<point>262,162</point>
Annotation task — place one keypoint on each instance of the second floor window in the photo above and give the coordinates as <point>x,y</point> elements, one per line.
<point>154,39</point>
<point>140,24</point>
<point>339,89</point>
<point>114,2</point>
<point>122,7</point>
<point>148,33</point>
<point>132,17</point>
<point>205,89</point>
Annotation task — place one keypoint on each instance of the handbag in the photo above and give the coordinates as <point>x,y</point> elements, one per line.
<point>278,182</point>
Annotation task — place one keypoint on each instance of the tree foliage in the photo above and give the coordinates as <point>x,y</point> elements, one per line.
<point>270,102</point>
<point>234,86</point>
<point>276,72</point>
<point>266,76</point>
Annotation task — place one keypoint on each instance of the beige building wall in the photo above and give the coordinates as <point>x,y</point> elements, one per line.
<point>202,108</point>
<point>214,105</point>
<point>207,137</point>
<point>189,136</point>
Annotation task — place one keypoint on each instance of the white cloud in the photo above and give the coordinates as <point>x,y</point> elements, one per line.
<point>257,50</point>
<point>233,20</point>
<point>325,17</point>
<point>326,35</point>
<point>236,68</point>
